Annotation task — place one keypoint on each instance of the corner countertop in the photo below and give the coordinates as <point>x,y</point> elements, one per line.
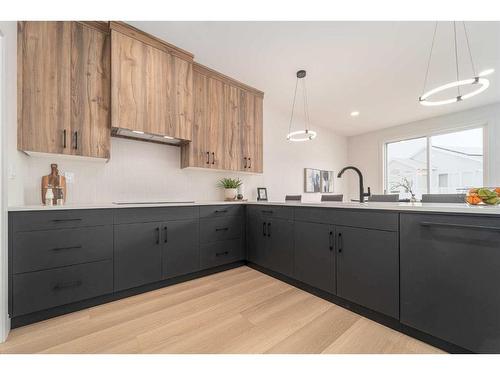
<point>460,208</point>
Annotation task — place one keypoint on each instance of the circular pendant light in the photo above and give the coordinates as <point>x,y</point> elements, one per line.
<point>478,83</point>
<point>306,134</point>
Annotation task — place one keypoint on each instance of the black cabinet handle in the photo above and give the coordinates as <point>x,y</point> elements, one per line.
<point>340,242</point>
<point>264,229</point>
<point>63,220</point>
<point>220,211</point>
<point>222,253</point>
<point>221,229</point>
<point>67,248</point>
<point>330,240</point>
<point>266,211</point>
<point>245,166</point>
<point>208,157</point>
<point>68,285</point>
<point>268,229</point>
<point>165,233</point>
<point>157,230</point>
<point>64,138</point>
<point>249,163</point>
<point>76,141</point>
<point>213,157</point>
<point>458,226</point>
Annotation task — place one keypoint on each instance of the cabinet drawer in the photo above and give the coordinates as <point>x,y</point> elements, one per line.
<point>361,218</point>
<point>149,214</point>
<point>38,250</point>
<point>223,228</point>
<point>207,212</point>
<point>55,219</point>
<point>41,290</point>
<point>222,252</point>
<point>269,211</point>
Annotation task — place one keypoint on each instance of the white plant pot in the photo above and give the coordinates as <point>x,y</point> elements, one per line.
<point>230,194</point>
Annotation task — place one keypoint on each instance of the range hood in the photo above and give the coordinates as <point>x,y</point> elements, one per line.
<point>142,136</point>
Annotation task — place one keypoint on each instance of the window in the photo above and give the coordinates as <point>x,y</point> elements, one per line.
<point>455,161</point>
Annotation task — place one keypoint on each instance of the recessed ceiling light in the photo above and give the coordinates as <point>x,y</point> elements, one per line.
<point>167,137</point>
<point>137,132</point>
<point>354,113</point>
<point>486,72</point>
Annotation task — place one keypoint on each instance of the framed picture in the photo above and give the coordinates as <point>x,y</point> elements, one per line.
<point>327,179</point>
<point>312,180</point>
<point>262,194</point>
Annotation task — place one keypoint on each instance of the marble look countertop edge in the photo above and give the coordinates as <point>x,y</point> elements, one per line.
<point>457,208</point>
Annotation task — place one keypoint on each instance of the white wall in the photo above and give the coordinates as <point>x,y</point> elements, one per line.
<point>7,112</point>
<point>366,150</point>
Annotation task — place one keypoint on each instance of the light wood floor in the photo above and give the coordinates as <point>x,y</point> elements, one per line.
<point>237,311</point>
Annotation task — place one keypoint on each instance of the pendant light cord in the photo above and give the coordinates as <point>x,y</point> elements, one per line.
<point>306,106</point>
<point>293,105</point>
<point>456,54</point>
<point>468,48</point>
<point>429,59</point>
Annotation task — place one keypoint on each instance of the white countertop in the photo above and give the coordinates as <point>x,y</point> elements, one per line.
<point>400,207</point>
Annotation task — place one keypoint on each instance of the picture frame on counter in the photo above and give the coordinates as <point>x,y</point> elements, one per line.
<point>327,178</point>
<point>312,180</point>
<point>262,194</point>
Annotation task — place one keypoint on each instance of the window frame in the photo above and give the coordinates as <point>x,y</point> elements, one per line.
<point>428,135</point>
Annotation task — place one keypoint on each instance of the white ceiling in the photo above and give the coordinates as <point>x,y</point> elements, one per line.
<point>376,68</point>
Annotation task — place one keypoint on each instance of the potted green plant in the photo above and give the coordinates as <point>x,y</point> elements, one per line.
<point>230,186</point>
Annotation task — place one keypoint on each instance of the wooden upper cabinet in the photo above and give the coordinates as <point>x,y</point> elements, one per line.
<point>151,85</point>
<point>44,86</point>
<point>227,128</point>
<point>63,88</point>
<point>90,91</point>
<point>251,131</point>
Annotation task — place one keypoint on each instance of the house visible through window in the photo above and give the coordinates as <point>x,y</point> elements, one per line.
<point>455,161</point>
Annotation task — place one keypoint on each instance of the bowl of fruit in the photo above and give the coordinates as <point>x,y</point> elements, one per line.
<point>483,196</point>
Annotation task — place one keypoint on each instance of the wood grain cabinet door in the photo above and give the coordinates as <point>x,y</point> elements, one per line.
<point>216,111</point>
<point>256,137</point>
<point>231,157</point>
<point>44,86</point>
<point>90,91</point>
<point>181,125</point>
<point>250,132</point>
<point>139,86</point>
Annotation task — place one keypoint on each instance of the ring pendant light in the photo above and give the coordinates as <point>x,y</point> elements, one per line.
<point>477,81</point>
<point>306,134</point>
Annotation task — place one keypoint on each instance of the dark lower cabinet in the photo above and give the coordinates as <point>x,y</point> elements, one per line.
<point>314,255</point>
<point>181,253</point>
<point>279,247</point>
<point>270,243</point>
<point>137,254</point>
<point>256,236</point>
<point>450,275</point>
<point>368,268</point>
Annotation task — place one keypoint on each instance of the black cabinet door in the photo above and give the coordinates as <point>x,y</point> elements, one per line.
<point>314,255</point>
<point>181,253</point>
<point>256,239</point>
<point>279,248</point>
<point>450,274</point>
<point>368,268</point>
<point>138,254</point>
